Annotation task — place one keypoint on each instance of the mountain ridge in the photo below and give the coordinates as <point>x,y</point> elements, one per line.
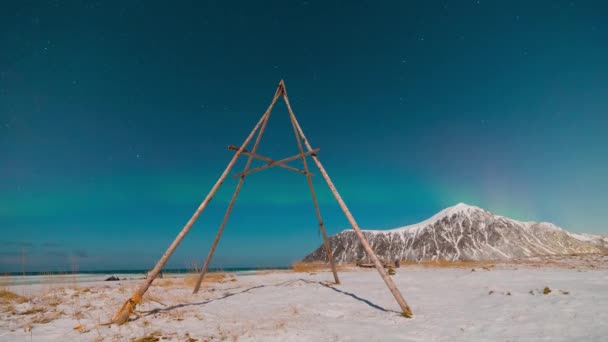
<point>462,232</point>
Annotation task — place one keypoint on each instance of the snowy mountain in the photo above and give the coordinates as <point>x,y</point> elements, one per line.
<point>462,232</point>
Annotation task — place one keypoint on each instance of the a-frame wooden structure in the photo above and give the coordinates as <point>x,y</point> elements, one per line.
<point>123,314</point>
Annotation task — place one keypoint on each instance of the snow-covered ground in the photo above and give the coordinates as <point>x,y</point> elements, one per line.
<point>501,303</point>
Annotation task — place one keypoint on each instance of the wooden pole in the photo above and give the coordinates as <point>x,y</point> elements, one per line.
<point>275,163</point>
<point>233,199</point>
<point>268,160</point>
<point>330,257</point>
<point>406,311</point>
<point>122,316</point>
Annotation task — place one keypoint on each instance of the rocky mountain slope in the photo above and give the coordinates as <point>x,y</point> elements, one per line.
<point>462,232</point>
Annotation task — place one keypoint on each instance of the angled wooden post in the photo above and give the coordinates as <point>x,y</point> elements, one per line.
<point>268,160</point>
<point>122,316</point>
<point>236,193</point>
<point>330,257</point>
<point>406,311</point>
<point>275,163</point>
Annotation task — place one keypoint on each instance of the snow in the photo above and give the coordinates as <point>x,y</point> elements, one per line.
<point>590,238</point>
<point>465,209</point>
<point>447,212</point>
<point>584,237</point>
<point>463,232</point>
<point>449,304</point>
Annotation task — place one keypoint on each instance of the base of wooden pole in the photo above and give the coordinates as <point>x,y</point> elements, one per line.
<point>122,316</point>
<point>407,314</point>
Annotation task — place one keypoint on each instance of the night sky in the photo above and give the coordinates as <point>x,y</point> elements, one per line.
<point>115,117</point>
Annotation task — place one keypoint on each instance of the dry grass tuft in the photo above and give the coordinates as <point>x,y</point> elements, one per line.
<point>151,337</point>
<point>147,338</point>
<point>7,296</point>
<point>164,282</point>
<point>307,267</point>
<point>313,267</point>
<point>80,327</point>
<point>33,311</point>
<point>214,277</point>
<point>189,338</point>
<point>10,309</point>
<point>177,314</point>
<point>191,280</point>
<point>154,297</point>
<point>52,298</point>
<point>46,318</point>
<point>446,263</point>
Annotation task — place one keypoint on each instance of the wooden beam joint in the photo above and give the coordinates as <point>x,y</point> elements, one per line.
<point>280,163</point>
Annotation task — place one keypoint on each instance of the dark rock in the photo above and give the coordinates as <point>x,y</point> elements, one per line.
<point>457,233</point>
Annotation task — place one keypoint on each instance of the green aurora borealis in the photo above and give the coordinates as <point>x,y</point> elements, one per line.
<point>115,117</point>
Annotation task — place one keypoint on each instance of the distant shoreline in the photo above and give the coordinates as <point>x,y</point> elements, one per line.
<point>139,271</point>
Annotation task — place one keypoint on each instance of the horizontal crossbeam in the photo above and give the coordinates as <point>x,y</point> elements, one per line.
<point>276,163</point>
<point>266,159</point>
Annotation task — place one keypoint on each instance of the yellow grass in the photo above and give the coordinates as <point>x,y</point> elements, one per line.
<point>301,266</point>
<point>164,282</point>
<point>446,263</point>
<point>485,264</point>
<point>7,296</point>
<point>153,337</point>
<point>154,297</point>
<point>307,267</point>
<point>190,280</point>
<point>46,319</point>
<point>33,311</point>
<point>53,300</point>
<point>214,277</point>
<point>310,267</point>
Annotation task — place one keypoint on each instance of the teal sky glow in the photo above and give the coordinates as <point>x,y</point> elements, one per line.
<point>115,117</point>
